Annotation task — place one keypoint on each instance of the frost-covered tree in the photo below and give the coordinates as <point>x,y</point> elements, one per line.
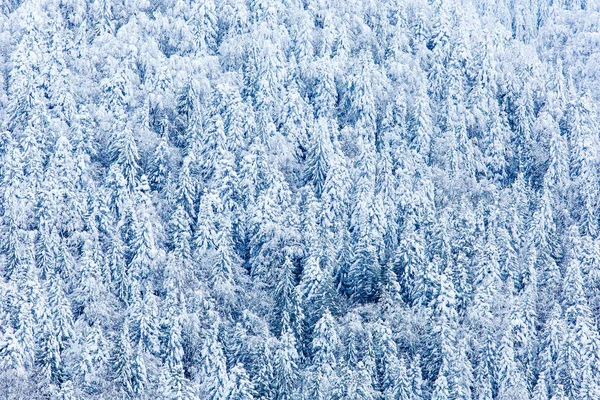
<point>213,375</point>
<point>241,386</point>
<point>285,367</point>
<point>318,158</point>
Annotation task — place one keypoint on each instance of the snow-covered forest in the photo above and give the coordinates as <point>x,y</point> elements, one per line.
<point>300,199</point>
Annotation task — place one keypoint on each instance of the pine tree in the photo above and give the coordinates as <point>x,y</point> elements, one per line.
<point>441,389</point>
<point>285,367</point>
<point>181,237</point>
<point>285,296</point>
<point>264,372</point>
<point>188,109</point>
<point>241,386</point>
<point>224,271</point>
<point>143,244</point>
<point>159,173</point>
<point>323,380</point>
<point>205,227</point>
<point>360,92</point>
<point>512,384</point>
<point>60,309</point>
<point>12,357</point>
<point>142,318</point>
<point>214,378</point>
<point>540,391</point>
<point>315,293</point>
<point>344,259</point>
<point>551,343</point>
<point>589,386</point>
<point>268,231</point>
<point>415,375</point>
<point>559,393</point>
<point>139,378</point>
<point>462,373</point>
<point>127,157</point>
<point>365,272</point>
<point>122,362</point>
<point>226,182</point>
<point>207,27</point>
<point>410,264</point>
<point>325,96</point>
<point>186,188</point>
<point>177,386</point>
<point>364,384</point>
<point>319,154</point>
<point>90,296</point>
<point>403,389</point>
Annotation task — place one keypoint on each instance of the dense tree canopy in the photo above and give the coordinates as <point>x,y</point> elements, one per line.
<point>299,199</point>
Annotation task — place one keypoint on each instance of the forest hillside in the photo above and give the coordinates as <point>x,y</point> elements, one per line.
<point>300,199</point>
